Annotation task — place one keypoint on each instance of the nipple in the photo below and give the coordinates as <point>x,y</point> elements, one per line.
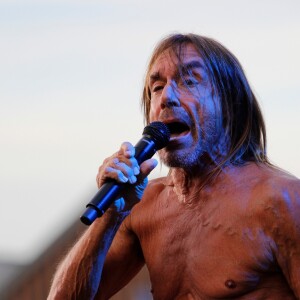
<point>230,284</point>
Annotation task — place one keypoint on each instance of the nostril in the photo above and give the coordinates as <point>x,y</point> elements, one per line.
<point>172,102</point>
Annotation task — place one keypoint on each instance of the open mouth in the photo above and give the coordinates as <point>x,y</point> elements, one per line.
<point>178,128</point>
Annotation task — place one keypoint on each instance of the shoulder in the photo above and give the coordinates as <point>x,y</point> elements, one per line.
<point>267,194</point>
<point>276,199</point>
<point>268,181</point>
<point>142,213</point>
<point>151,194</point>
<point>155,187</point>
<point>276,185</point>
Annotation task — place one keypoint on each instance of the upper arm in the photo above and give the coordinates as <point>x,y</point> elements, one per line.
<point>283,223</point>
<point>123,261</point>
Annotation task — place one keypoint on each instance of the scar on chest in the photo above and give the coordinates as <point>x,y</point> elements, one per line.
<point>231,284</point>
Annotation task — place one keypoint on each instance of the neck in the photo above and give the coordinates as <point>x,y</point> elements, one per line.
<point>203,172</point>
<point>187,182</point>
<point>185,178</point>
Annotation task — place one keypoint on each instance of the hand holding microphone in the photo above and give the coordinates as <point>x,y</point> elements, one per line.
<point>124,175</point>
<point>123,168</point>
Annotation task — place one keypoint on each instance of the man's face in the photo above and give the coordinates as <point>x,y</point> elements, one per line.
<point>184,100</point>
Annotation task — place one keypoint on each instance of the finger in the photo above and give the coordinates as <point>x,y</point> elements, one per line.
<point>129,162</point>
<point>147,166</point>
<point>110,173</point>
<point>129,171</point>
<point>127,150</point>
<point>121,166</point>
<point>115,174</point>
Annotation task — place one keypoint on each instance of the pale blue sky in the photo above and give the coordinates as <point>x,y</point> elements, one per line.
<point>71,76</point>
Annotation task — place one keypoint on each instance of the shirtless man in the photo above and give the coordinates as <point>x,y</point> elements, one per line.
<point>224,223</point>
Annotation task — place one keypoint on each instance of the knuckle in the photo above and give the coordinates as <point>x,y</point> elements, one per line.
<point>107,170</point>
<point>100,169</point>
<point>105,161</point>
<point>119,173</point>
<point>133,161</point>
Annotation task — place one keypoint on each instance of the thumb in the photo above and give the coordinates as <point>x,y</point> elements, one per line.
<point>147,166</point>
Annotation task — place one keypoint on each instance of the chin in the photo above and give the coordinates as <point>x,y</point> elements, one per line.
<point>180,159</point>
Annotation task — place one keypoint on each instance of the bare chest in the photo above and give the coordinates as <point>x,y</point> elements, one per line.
<point>209,248</point>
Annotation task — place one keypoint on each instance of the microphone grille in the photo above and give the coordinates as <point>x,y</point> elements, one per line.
<point>159,132</point>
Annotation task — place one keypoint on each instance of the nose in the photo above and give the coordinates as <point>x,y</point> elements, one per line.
<point>169,96</point>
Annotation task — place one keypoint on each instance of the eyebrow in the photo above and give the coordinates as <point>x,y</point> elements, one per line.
<point>155,76</point>
<point>194,64</point>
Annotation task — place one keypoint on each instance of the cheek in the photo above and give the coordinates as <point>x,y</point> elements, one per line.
<point>212,118</point>
<point>151,117</point>
<point>208,105</point>
<point>194,108</point>
<point>154,111</point>
<point>203,110</point>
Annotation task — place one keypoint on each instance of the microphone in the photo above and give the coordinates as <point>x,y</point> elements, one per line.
<point>155,137</point>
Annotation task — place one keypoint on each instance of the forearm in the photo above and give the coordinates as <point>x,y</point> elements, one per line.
<point>79,274</point>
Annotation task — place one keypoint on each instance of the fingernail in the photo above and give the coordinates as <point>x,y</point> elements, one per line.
<point>129,152</point>
<point>132,179</point>
<point>155,162</point>
<point>136,171</point>
<point>123,178</point>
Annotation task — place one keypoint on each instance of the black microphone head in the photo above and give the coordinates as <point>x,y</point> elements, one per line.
<point>159,133</point>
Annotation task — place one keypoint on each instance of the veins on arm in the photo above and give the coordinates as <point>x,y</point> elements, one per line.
<point>123,261</point>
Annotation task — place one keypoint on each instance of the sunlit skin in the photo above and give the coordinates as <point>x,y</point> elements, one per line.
<point>188,99</point>
<point>236,238</point>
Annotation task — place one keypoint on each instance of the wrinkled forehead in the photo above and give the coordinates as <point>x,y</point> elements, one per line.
<point>180,59</point>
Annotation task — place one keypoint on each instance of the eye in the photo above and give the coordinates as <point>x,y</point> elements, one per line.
<point>157,88</point>
<point>191,82</point>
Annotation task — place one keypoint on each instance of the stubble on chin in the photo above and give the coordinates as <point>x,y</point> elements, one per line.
<point>180,158</point>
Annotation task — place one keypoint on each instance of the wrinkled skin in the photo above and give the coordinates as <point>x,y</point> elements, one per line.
<point>238,237</point>
<point>188,99</point>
